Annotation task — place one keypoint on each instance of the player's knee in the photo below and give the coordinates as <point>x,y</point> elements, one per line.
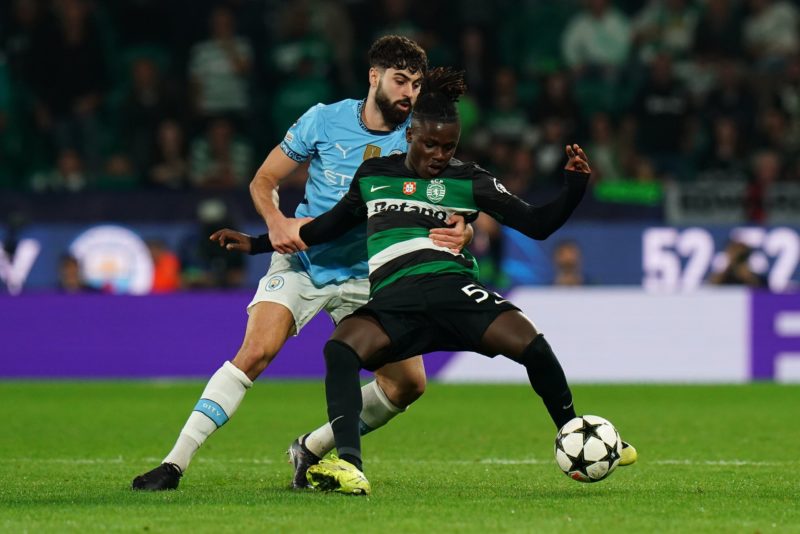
<point>412,390</point>
<point>537,352</point>
<point>340,355</point>
<point>253,358</point>
<point>250,365</point>
<point>404,390</point>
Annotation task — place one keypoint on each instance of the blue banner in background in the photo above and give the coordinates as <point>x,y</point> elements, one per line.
<point>611,254</point>
<point>656,257</point>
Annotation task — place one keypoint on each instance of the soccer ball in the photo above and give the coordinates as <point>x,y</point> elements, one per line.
<point>588,448</point>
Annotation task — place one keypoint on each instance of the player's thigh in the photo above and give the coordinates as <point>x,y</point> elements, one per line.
<point>283,303</point>
<point>365,335</point>
<point>349,297</point>
<point>269,325</point>
<point>366,341</point>
<point>288,284</point>
<point>509,334</point>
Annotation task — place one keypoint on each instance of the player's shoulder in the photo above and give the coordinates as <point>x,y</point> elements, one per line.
<point>331,119</point>
<point>483,181</point>
<point>393,165</point>
<point>466,169</point>
<point>335,110</point>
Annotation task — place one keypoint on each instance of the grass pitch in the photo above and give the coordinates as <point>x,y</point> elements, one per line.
<point>464,458</point>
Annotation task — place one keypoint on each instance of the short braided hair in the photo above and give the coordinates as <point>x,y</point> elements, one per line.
<point>441,89</point>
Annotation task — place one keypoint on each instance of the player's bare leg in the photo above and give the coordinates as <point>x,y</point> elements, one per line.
<point>268,327</point>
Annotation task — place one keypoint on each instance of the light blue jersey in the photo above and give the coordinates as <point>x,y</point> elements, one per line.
<point>336,140</point>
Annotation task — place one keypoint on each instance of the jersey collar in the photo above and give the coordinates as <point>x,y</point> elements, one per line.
<point>360,107</point>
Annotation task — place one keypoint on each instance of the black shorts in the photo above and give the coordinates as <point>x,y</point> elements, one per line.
<point>430,313</point>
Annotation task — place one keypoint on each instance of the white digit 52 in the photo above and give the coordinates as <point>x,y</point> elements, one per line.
<point>663,251</point>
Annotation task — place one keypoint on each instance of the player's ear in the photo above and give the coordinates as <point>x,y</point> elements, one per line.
<point>374,76</point>
<point>409,134</point>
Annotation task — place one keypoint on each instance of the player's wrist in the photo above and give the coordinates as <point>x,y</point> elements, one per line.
<point>469,235</point>
<point>260,244</point>
<point>576,176</point>
<point>274,218</point>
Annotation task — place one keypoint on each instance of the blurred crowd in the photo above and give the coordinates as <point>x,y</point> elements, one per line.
<point>127,94</point>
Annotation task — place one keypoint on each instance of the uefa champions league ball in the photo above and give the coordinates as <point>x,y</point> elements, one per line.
<point>588,448</point>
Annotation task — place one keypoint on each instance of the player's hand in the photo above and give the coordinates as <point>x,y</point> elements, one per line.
<point>284,234</point>
<point>578,161</point>
<point>455,238</point>
<point>295,225</point>
<point>232,240</point>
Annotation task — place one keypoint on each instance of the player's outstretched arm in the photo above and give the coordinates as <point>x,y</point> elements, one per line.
<point>232,240</point>
<point>539,222</point>
<point>327,227</point>
<point>236,241</point>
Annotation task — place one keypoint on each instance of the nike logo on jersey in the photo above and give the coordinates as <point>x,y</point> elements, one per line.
<point>343,150</point>
<point>567,406</point>
<point>378,188</point>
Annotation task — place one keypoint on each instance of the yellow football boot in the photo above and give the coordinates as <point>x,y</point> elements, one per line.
<point>629,454</point>
<point>339,475</point>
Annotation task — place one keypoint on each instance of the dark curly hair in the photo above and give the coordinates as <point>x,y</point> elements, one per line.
<point>441,89</point>
<point>397,52</point>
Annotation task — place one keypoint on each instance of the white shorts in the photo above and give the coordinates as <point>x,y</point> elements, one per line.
<point>288,283</point>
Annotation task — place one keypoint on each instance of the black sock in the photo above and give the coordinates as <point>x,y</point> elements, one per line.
<point>548,380</point>
<point>343,393</point>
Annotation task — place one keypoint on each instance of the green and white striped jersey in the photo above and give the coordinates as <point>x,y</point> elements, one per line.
<point>401,208</point>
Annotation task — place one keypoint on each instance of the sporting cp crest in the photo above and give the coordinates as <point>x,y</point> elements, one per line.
<point>409,188</point>
<point>435,191</point>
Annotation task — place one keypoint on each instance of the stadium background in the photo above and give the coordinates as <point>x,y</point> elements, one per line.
<point>130,129</point>
<point>113,169</point>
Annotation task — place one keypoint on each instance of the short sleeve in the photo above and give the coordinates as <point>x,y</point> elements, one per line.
<point>301,139</point>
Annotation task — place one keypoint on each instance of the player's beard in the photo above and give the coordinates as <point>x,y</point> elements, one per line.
<point>392,114</point>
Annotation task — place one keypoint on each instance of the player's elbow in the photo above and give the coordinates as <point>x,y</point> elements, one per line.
<point>257,183</point>
<point>262,184</point>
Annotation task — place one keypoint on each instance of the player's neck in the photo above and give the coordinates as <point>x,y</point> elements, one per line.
<point>372,117</point>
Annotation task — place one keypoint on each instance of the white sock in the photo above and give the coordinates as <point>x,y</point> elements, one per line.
<point>222,396</point>
<point>376,411</point>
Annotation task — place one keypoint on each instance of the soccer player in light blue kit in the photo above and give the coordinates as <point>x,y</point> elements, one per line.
<point>336,139</point>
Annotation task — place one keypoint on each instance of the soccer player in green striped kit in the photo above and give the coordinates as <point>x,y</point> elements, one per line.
<point>425,297</point>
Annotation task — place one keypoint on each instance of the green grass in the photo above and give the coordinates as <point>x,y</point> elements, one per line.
<point>464,458</point>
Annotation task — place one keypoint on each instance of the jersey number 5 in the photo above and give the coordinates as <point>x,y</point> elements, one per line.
<point>479,294</point>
